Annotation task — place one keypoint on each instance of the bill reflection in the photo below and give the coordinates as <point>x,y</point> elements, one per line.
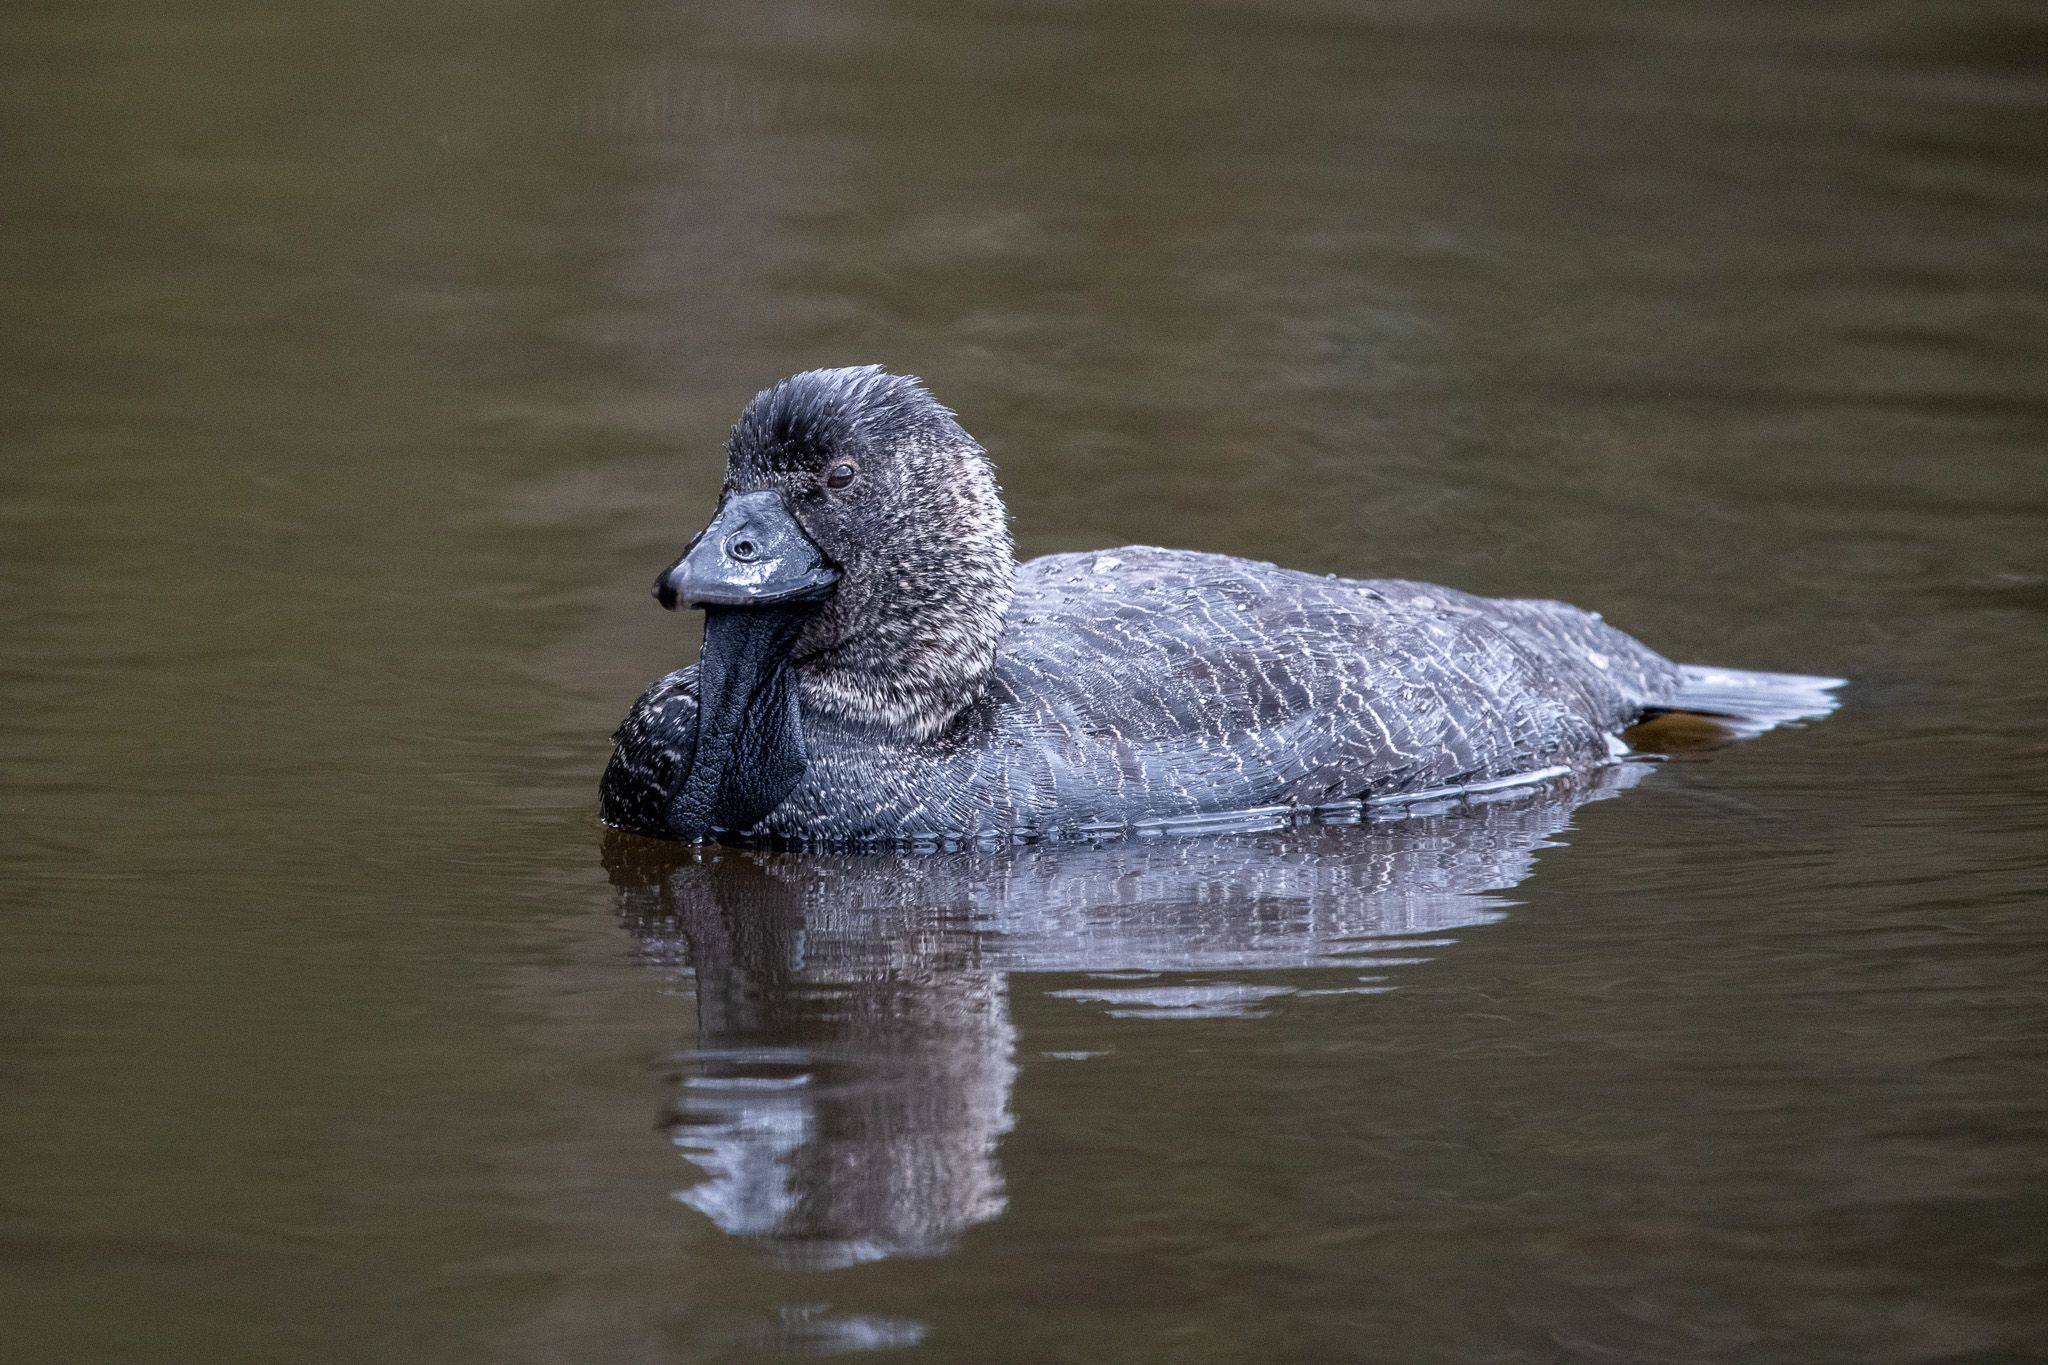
<point>856,1057</point>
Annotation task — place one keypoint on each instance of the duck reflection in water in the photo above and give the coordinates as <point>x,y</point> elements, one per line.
<point>856,1056</point>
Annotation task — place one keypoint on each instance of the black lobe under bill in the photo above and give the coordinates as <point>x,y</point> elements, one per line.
<point>749,752</point>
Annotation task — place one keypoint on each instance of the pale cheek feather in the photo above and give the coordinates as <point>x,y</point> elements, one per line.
<point>910,660</point>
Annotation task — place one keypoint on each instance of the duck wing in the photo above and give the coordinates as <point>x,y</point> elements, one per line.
<point>1166,682</point>
<point>652,751</point>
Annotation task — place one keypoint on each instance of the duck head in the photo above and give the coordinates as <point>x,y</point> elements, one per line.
<point>858,568</point>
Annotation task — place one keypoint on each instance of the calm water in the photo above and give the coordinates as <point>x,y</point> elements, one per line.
<point>359,366</point>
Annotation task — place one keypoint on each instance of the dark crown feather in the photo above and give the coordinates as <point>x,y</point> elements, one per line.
<point>804,419</point>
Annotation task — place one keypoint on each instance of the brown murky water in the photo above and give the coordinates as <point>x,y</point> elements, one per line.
<point>359,366</point>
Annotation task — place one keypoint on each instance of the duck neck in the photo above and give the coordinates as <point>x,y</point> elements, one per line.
<point>913,670</point>
<point>904,647</point>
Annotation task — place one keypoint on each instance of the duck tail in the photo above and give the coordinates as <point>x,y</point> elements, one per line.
<point>1750,703</point>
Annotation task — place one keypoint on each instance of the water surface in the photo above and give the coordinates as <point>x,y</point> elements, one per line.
<point>359,367</point>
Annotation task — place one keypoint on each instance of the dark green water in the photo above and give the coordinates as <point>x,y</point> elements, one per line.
<point>360,365</point>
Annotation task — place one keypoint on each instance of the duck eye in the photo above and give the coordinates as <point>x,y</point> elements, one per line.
<point>839,476</point>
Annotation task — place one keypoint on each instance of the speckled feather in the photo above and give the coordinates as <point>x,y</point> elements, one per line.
<point>1145,684</point>
<point>946,691</point>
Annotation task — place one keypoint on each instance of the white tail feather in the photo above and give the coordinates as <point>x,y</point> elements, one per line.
<point>1751,703</point>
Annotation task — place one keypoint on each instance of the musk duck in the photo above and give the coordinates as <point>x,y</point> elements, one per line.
<point>878,669</point>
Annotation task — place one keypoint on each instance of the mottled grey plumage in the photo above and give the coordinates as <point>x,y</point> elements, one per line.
<point>947,692</point>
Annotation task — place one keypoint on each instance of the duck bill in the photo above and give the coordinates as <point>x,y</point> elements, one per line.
<point>753,554</point>
<point>758,577</point>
